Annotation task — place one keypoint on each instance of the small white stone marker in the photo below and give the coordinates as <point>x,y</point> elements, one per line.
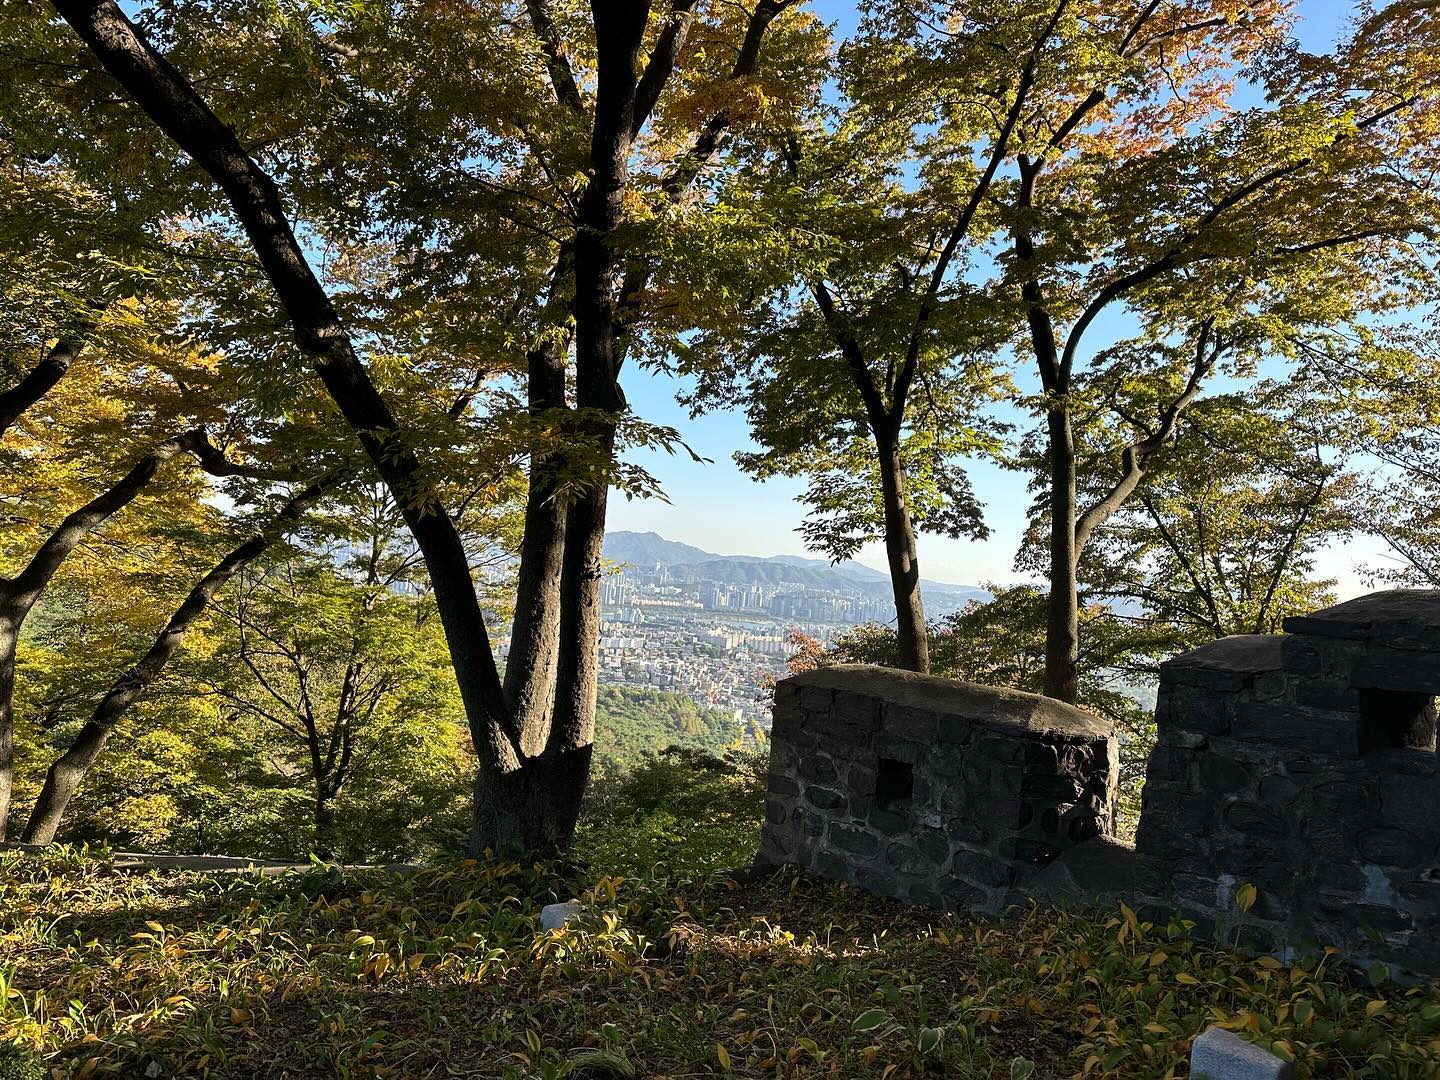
<point>554,916</point>
<point>1217,1054</point>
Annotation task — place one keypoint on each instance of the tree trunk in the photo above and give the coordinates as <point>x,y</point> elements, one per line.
<point>1062,627</point>
<point>9,635</point>
<point>66,774</point>
<point>900,553</point>
<point>573,731</point>
<point>533,801</point>
<point>324,821</point>
<point>535,632</point>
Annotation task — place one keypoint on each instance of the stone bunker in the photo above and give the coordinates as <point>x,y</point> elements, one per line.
<point>1303,764</point>
<point>932,791</point>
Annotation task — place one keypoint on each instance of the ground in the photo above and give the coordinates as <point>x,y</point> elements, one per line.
<point>443,972</point>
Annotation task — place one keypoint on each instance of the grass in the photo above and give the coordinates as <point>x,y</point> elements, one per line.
<point>444,972</point>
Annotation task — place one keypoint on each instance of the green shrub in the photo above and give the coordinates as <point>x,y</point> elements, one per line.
<point>682,813</point>
<point>20,1063</point>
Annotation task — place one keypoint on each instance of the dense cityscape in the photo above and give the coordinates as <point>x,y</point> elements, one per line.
<point>718,629</point>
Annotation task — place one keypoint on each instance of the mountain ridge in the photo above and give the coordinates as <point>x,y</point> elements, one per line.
<point>646,549</point>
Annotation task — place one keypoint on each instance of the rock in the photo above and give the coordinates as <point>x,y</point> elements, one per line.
<point>555,916</point>
<point>1218,1054</point>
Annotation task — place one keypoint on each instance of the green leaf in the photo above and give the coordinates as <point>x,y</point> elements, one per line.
<point>871,1019</point>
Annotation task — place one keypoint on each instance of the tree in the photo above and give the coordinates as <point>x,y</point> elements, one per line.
<point>65,775</point>
<point>1040,168</point>
<point>1217,226</point>
<point>55,477</point>
<point>1223,537</point>
<point>533,735</point>
<point>1377,386</point>
<point>867,349</point>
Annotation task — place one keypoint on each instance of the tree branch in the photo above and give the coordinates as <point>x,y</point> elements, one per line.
<point>38,382</point>
<point>1135,459</point>
<point>562,78</point>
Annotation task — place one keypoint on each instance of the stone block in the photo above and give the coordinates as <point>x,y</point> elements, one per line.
<point>1028,851</point>
<point>1312,731</point>
<point>955,731</point>
<point>1324,692</point>
<point>1344,913</point>
<point>816,700</point>
<point>1411,800</point>
<point>1389,846</point>
<point>1330,837</point>
<point>1222,774</point>
<point>1227,664</point>
<point>1279,790</point>
<point>782,785</point>
<point>961,895</point>
<point>1084,826</point>
<point>1217,1054</point>
<point>1195,709</point>
<point>860,714</point>
<point>855,839</point>
<point>897,749</point>
<point>904,722</point>
<point>981,868</point>
<point>889,822</point>
<point>1168,762</point>
<point>934,844</point>
<point>1303,656</point>
<point>775,812</point>
<point>1256,819</point>
<point>1334,793</point>
<point>1052,787</point>
<point>904,859</point>
<point>1397,669</point>
<point>773,850</point>
<point>817,768</point>
<point>823,798</point>
<point>1002,748</point>
<point>808,822</point>
<point>831,865</point>
<point>968,829</point>
<point>1041,756</point>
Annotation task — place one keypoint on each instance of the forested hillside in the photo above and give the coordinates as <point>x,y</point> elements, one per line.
<point>633,722</point>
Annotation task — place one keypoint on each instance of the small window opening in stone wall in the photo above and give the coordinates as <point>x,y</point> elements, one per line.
<point>894,784</point>
<point>1396,718</point>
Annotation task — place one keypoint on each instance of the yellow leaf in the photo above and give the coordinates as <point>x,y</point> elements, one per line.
<point>1245,896</point>
<point>723,1056</point>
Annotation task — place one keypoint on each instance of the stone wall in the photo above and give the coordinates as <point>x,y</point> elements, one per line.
<point>1305,765</point>
<point>1302,764</point>
<point>929,790</point>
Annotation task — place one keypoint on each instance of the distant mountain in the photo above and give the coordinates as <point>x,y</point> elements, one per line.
<point>686,561</point>
<point>764,572</point>
<point>647,549</point>
<point>849,569</point>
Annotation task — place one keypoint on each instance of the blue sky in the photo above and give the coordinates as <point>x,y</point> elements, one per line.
<point>716,507</point>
